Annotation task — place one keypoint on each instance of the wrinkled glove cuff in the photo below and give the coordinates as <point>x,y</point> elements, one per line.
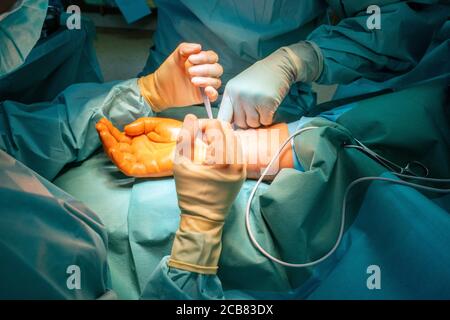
<point>150,91</point>
<point>307,60</point>
<point>197,245</point>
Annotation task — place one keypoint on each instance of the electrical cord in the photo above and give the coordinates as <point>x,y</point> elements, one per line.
<point>344,202</point>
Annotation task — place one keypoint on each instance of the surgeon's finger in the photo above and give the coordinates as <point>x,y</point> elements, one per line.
<point>213,130</point>
<point>266,116</point>
<point>204,57</point>
<point>184,50</point>
<point>251,117</point>
<point>216,146</point>
<point>206,82</point>
<point>225,109</point>
<point>206,70</point>
<point>239,116</point>
<point>187,136</point>
<point>232,146</point>
<point>211,93</point>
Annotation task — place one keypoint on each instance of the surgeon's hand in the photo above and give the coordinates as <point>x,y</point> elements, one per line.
<point>252,97</point>
<point>206,188</point>
<point>145,149</point>
<point>178,80</point>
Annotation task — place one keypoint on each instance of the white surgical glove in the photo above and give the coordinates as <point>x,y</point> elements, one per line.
<point>252,97</point>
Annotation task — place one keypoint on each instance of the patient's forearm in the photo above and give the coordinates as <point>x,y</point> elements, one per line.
<point>260,146</point>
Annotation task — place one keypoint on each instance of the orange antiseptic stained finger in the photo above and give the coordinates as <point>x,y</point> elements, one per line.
<point>157,129</point>
<point>118,158</point>
<point>110,152</point>
<point>141,126</point>
<point>164,135</point>
<point>103,121</point>
<point>120,137</point>
<point>101,126</point>
<point>107,139</point>
<point>153,136</point>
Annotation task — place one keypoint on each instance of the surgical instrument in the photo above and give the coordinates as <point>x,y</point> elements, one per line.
<point>207,103</point>
<point>413,168</point>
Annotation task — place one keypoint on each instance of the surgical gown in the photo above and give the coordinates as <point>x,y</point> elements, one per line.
<point>411,46</point>
<point>295,218</point>
<point>45,230</point>
<point>241,32</point>
<point>55,62</point>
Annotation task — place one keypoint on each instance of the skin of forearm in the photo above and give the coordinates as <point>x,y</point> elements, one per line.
<point>260,145</point>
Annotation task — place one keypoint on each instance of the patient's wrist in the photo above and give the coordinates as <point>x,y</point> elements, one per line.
<point>261,145</point>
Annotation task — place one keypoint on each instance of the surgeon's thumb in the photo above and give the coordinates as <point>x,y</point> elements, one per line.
<point>226,109</point>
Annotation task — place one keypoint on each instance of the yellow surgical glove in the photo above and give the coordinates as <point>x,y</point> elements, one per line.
<point>206,189</point>
<point>178,80</point>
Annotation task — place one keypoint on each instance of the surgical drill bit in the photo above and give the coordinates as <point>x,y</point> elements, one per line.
<point>207,103</point>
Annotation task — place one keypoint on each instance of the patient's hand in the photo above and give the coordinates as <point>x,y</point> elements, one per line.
<point>145,149</point>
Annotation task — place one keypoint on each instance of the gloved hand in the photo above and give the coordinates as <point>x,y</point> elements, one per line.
<point>145,149</point>
<point>178,80</point>
<point>206,188</point>
<point>252,97</point>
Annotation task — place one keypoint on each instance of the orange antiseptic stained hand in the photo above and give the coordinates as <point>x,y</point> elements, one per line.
<point>145,149</point>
